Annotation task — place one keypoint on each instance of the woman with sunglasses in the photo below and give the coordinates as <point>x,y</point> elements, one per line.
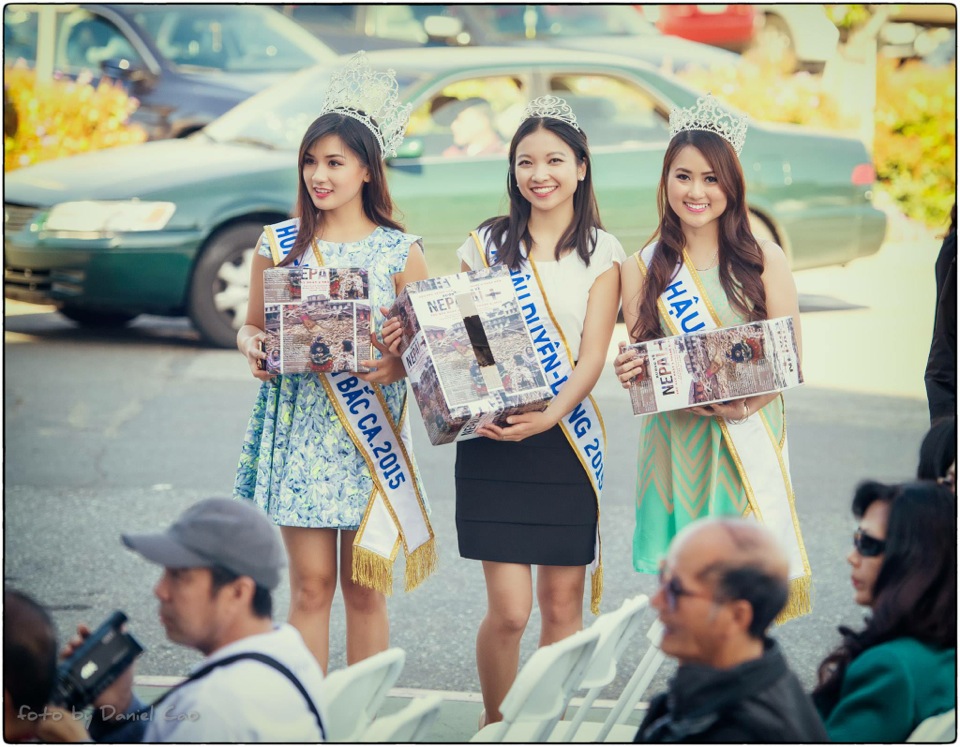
<point>882,681</point>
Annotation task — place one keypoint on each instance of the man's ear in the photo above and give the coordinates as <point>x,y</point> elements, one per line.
<point>242,589</point>
<point>742,614</point>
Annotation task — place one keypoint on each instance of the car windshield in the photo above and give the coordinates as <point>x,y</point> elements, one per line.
<point>278,116</point>
<point>232,38</point>
<point>555,21</point>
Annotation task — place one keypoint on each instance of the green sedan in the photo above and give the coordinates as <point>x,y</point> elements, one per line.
<point>169,227</point>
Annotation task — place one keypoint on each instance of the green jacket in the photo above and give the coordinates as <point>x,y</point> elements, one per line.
<point>889,689</point>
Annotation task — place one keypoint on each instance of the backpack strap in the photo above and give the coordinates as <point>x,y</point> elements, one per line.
<point>263,659</point>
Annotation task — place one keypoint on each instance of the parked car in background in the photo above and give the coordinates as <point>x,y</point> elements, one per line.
<point>187,64</point>
<point>803,32</point>
<point>170,227</point>
<point>592,27</point>
<point>729,26</point>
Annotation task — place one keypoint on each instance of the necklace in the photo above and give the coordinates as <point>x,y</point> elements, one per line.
<point>713,263</point>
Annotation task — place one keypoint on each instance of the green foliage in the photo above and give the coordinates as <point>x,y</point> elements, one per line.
<point>848,16</point>
<point>60,118</point>
<point>915,146</point>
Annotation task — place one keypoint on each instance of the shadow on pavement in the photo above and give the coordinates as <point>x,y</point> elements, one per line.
<point>144,330</point>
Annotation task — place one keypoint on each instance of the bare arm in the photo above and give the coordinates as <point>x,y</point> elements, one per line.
<point>631,291</point>
<point>594,342</point>
<point>389,368</point>
<point>251,333</point>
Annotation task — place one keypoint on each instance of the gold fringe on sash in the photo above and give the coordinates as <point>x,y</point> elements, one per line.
<point>596,589</point>
<point>798,601</point>
<point>419,564</point>
<point>372,571</point>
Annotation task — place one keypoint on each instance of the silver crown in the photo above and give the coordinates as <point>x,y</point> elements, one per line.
<point>709,116</point>
<point>553,107</point>
<point>369,97</point>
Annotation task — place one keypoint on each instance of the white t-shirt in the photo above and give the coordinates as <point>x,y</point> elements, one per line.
<point>246,701</point>
<point>566,282</point>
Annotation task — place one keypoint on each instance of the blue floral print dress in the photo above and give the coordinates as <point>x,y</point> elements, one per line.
<point>298,462</point>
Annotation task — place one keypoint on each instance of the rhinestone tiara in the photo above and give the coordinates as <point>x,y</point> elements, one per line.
<point>709,116</point>
<point>370,97</point>
<point>553,107</point>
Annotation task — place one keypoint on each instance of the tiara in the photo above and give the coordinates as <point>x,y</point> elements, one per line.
<point>709,116</point>
<point>553,107</point>
<point>370,97</point>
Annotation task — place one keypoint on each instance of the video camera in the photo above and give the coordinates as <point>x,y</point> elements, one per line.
<point>96,664</point>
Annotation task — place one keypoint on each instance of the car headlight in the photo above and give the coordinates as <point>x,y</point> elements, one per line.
<point>86,216</point>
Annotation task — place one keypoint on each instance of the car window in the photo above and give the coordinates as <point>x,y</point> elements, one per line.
<point>471,118</point>
<point>232,38</point>
<point>87,40</point>
<point>278,116</point>
<point>612,111</point>
<point>19,34</point>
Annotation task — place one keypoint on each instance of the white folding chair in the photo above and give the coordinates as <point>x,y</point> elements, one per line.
<point>543,688</point>
<point>353,695</point>
<point>941,728</point>
<point>408,725</point>
<point>615,728</point>
<point>616,630</point>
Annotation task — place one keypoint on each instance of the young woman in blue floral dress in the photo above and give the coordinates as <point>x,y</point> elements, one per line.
<point>299,463</point>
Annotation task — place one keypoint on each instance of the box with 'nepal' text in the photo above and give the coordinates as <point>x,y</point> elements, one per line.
<point>468,353</point>
<point>701,368</point>
<point>317,319</point>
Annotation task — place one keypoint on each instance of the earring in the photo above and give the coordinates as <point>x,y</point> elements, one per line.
<point>581,178</point>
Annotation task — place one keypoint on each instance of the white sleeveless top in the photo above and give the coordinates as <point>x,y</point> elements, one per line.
<point>566,282</point>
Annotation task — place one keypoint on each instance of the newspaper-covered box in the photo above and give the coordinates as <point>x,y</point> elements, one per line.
<point>317,319</point>
<point>716,365</point>
<point>468,353</point>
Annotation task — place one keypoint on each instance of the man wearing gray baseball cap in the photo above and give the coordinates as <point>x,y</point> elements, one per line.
<point>258,683</point>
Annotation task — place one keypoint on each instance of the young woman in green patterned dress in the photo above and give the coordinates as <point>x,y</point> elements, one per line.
<point>685,468</point>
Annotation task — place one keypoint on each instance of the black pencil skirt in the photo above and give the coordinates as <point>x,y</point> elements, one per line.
<point>524,502</point>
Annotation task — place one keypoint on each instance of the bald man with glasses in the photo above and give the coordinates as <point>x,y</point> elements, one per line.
<point>722,584</point>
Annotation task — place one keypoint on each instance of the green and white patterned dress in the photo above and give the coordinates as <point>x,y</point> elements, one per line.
<point>684,468</point>
<point>297,461</point>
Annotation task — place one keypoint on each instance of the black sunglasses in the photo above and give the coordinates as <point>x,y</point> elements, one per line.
<point>867,546</point>
<point>673,590</point>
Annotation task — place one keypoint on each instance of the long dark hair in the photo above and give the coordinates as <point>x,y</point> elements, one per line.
<point>741,260</point>
<point>507,231</point>
<point>915,594</point>
<point>377,205</point>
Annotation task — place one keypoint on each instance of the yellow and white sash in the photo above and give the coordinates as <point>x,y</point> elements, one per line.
<point>395,512</point>
<point>762,462</point>
<point>583,426</point>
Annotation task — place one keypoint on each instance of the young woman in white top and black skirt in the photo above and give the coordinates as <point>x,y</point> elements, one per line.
<point>528,492</point>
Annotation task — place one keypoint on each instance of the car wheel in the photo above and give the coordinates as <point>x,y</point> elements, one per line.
<point>96,317</point>
<point>220,287</point>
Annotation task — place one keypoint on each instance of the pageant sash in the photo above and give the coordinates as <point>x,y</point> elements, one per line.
<point>761,461</point>
<point>395,513</point>
<point>583,426</point>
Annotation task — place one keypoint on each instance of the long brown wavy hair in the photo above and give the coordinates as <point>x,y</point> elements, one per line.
<point>507,231</point>
<point>377,205</point>
<point>741,260</point>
